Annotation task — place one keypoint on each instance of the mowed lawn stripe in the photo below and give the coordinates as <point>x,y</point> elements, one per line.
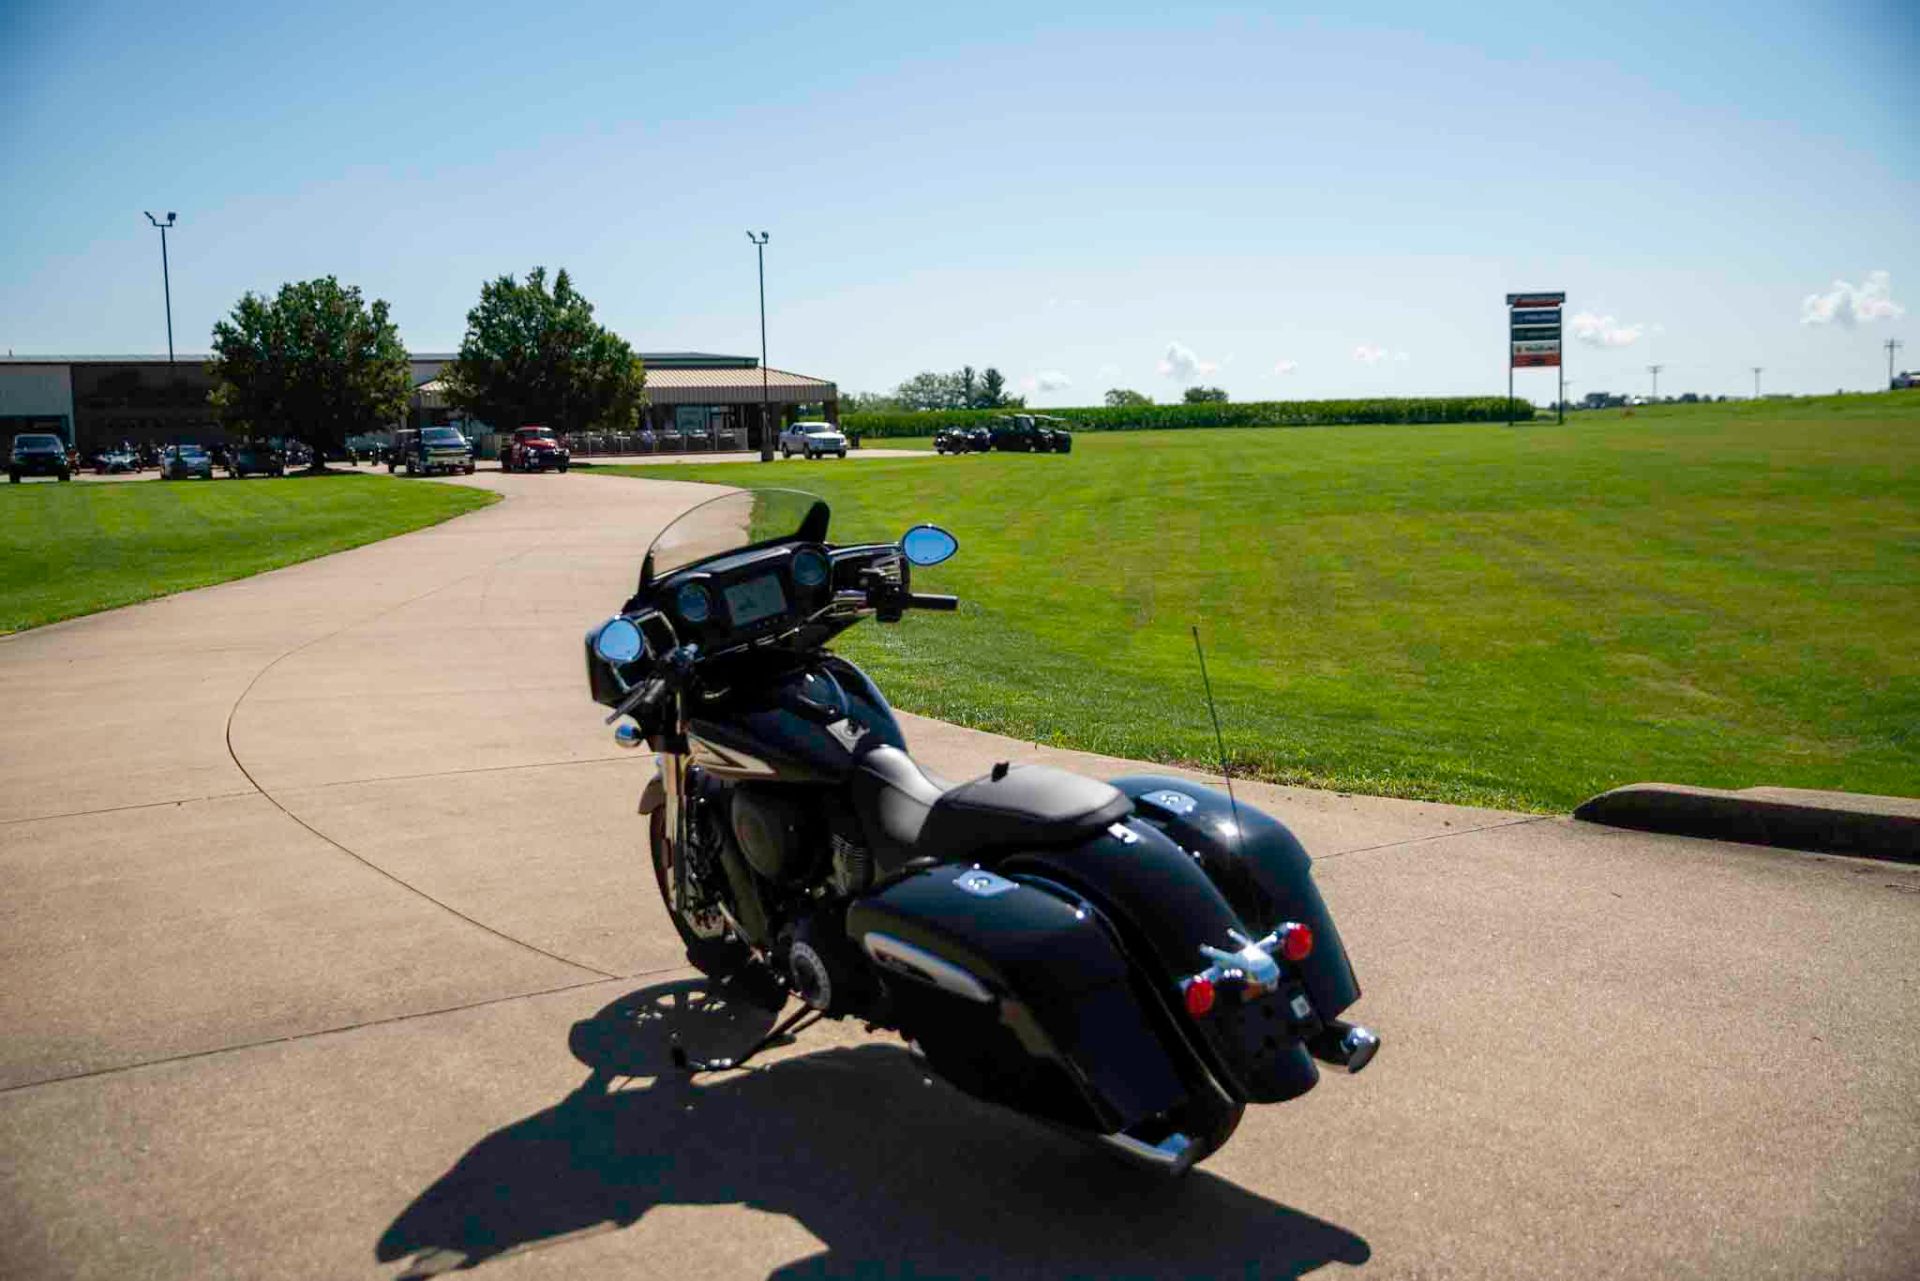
<point>67,550</point>
<point>1720,595</point>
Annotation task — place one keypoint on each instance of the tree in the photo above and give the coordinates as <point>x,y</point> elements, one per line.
<point>969,388</point>
<point>869,402</point>
<point>931,391</point>
<point>1124,398</point>
<point>993,390</point>
<point>1205,396</point>
<point>536,355</point>
<point>314,362</point>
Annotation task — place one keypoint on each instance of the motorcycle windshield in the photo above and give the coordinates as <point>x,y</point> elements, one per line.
<point>733,522</point>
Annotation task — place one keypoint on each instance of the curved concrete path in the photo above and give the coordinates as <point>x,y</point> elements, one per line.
<point>325,915</point>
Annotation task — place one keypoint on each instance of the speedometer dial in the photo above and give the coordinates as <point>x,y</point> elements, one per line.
<point>809,568</point>
<point>693,603</point>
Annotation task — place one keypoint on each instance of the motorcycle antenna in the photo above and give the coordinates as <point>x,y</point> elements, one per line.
<point>1226,769</point>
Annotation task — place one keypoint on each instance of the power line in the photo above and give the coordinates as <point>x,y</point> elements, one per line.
<point>1655,371</point>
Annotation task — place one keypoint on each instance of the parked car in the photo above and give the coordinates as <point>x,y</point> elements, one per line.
<point>255,460</point>
<point>1062,435</point>
<point>430,450</point>
<point>184,462</point>
<point>814,440</point>
<point>35,454</point>
<point>534,449</point>
<point>1030,434</point>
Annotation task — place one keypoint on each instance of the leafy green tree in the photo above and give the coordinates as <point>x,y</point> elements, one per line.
<point>931,391</point>
<point>314,362</point>
<point>969,388</point>
<point>534,354</point>
<point>1205,396</point>
<point>1124,398</point>
<point>869,402</point>
<point>993,390</point>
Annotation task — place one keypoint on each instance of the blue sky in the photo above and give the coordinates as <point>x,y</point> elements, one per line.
<point>1280,202</point>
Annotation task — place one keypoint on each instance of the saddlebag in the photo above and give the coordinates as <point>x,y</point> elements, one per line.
<point>1018,995</point>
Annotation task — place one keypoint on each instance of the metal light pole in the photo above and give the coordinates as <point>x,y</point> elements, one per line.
<point>166,281</point>
<point>766,427</point>
<point>1756,381</point>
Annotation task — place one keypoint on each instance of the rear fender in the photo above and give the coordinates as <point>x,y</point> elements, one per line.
<point>654,794</point>
<point>1261,870</point>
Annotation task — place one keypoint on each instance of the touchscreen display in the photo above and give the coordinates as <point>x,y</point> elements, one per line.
<point>755,599</point>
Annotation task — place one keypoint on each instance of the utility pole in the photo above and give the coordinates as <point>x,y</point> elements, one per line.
<point>1655,371</point>
<point>1756,382</point>
<point>166,281</point>
<point>766,426</point>
<point>1893,345</point>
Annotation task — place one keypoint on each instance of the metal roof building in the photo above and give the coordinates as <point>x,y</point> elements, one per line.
<point>97,400</point>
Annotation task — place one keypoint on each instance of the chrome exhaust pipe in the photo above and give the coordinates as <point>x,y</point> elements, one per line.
<point>1173,1155</point>
<point>1345,1045</point>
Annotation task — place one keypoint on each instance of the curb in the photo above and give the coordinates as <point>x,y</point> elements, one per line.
<point>1883,827</point>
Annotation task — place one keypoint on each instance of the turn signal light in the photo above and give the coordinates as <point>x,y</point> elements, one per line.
<point>1200,996</point>
<point>1296,941</point>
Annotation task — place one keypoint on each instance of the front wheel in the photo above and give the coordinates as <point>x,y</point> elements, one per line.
<point>709,949</point>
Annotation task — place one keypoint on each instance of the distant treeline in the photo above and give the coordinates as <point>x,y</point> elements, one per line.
<point>1266,413</point>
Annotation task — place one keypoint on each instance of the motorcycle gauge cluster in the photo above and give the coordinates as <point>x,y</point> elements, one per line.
<point>693,603</point>
<point>809,568</point>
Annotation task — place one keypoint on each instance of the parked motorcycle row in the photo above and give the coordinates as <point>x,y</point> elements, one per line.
<point>1013,434</point>
<point>1133,961</point>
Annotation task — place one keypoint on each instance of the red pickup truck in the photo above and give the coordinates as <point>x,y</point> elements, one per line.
<point>534,449</point>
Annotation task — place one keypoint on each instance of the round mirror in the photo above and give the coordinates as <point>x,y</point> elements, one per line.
<point>928,544</point>
<point>619,641</point>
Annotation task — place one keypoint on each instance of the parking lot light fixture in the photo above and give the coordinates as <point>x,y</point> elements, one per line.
<point>166,282</point>
<point>766,426</point>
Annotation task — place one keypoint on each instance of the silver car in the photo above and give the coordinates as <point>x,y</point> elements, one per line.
<point>182,462</point>
<point>814,440</point>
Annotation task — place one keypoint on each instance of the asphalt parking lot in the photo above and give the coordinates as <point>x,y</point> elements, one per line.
<point>328,950</point>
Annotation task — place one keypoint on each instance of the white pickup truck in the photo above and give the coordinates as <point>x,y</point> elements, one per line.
<point>815,440</point>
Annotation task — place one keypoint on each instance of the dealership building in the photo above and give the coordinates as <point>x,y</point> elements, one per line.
<point>94,401</point>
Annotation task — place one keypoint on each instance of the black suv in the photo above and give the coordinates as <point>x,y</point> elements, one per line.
<point>38,455</point>
<point>430,450</point>
<point>1030,434</point>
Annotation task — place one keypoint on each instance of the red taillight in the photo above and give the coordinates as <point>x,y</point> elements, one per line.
<point>1296,941</point>
<point>1199,997</point>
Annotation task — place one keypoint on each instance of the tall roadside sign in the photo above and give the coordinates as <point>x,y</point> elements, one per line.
<point>1533,327</point>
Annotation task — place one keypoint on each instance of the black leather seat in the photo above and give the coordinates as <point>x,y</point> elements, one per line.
<point>910,814</point>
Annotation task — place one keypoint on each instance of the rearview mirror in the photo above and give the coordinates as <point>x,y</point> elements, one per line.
<point>619,641</point>
<point>928,544</point>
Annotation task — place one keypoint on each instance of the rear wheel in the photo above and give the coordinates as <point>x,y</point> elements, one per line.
<point>704,935</point>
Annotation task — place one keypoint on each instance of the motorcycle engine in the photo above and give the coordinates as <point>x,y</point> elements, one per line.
<point>781,835</point>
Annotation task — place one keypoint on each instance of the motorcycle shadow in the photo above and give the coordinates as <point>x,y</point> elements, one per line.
<point>896,1176</point>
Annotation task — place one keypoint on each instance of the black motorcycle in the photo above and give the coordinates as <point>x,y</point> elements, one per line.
<point>1134,961</point>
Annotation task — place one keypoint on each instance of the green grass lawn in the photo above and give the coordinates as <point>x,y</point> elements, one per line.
<point>75,549</point>
<point>1717,595</point>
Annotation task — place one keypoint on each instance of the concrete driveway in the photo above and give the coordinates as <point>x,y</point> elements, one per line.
<point>328,950</point>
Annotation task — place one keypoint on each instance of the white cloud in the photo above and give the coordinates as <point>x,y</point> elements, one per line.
<point>1847,305</point>
<point>1183,365</point>
<point>1047,380</point>
<point>1368,354</point>
<point>1605,331</point>
<point>1285,366</point>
